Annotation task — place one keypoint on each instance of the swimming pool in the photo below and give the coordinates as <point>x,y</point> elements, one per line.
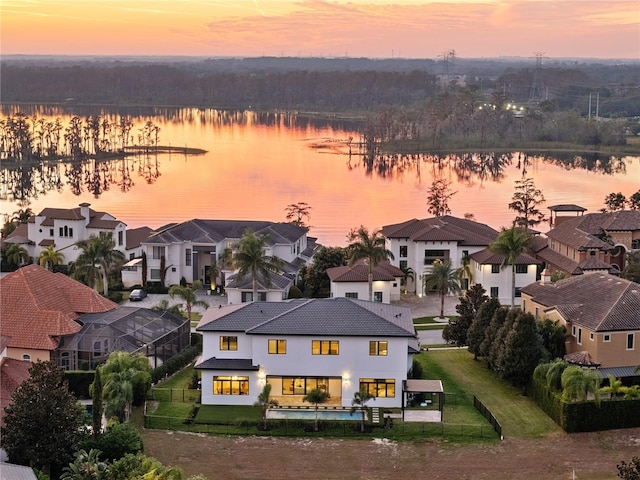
<point>306,414</point>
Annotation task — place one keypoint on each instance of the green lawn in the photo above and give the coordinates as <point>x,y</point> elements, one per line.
<point>518,415</point>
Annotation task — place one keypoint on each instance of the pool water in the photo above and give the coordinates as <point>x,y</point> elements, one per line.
<point>305,414</point>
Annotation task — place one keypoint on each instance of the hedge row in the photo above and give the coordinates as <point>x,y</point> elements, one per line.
<point>609,414</point>
<point>79,381</point>
<point>176,363</point>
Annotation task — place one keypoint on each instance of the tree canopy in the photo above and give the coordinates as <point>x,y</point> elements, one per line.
<point>370,247</point>
<point>438,196</point>
<point>456,330</point>
<point>250,259</point>
<point>444,279</point>
<point>525,202</point>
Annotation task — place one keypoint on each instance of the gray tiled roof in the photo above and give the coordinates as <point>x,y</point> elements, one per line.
<point>446,228</point>
<point>597,301</point>
<point>324,317</point>
<point>227,364</point>
<point>214,231</point>
<point>278,282</point>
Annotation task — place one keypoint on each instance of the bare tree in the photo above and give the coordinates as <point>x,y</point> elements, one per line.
<point>438,196</point>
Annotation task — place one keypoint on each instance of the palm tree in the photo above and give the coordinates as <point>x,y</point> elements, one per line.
<point>370,247</point>
<point>163,306</point>
<point>578,383</point>
<point>86,466</point>
<point>409,274</point>
<point>265,402</point>
<point>188,294</point>
<point>511,243</point>
<point>250,259</point>
<point>49,258</point>
<point>96,260</point>
<point>124,375</point>
<point>359,401</point>
<point>614,387</point>
<point>16,254</point>
<point>316,396</point>
<point>444,279</point>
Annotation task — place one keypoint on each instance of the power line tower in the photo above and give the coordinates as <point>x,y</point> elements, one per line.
<point>534,94</point>
<point>448,62</point>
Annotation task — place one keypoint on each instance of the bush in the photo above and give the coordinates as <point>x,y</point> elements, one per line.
<point>176,363</point>
<point>115,296</point>
<point>294,292</point>
<point>118,440</point>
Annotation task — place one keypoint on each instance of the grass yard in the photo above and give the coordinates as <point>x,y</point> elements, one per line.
<point>518,415</point>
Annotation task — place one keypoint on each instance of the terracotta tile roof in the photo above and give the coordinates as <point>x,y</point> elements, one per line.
<point>96,219</point>
<point>46,242</point>
<point>583,359</point>
<point>38,306</point>
<point>581,232</point>
<point>446,228</point>
<point>597,301</point>
<point>12,373</point>
<point>592,263</point>
<point>559,261</point>
<point>487,257</point>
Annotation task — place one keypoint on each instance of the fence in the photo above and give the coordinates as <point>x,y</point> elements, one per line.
<point>488,415</point>
<point>174,395</point>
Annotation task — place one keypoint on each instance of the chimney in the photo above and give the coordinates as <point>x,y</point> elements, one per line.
<point>84,211</point>
<point>545,278</point>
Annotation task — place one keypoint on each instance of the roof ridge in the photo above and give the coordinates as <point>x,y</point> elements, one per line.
<point>286,312</point>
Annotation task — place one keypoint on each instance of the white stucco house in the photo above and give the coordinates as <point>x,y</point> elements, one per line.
<point>416,244</point>
<point>276,290</point>
<point>353,282</point>
<point>488,270</point>
<point>188,249</point>
<point>338,345</point>
<point>63,228</point>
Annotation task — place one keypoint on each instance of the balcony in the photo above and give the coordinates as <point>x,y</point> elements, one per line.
<point>428,261</point>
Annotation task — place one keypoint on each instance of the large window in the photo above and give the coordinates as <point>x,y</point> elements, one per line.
<point>630,339</point>
<point>228,343</point>
<point>66,231</point>
<point>351,294</point>
<point>379,387</point>
<point>522,268</point>
<point>154,273</point>
<point>431,255</point>
<point>248,297</point>
<point>495,268</point>
<point>377,297</point>
<point>277,347</point>
<point>378,348</point>
<point>225,385</point>
<point>403,265</point>
<point>157,253</point>
<point>303,385</point>
<point>325,347</point>
<point>403,251</point>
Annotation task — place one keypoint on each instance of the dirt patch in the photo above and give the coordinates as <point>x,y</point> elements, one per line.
<point>580,456</point>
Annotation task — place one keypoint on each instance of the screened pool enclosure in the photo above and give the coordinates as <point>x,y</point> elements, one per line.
<point>157,335</point>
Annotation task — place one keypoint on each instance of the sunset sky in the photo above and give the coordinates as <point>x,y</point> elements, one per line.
<point>326,28</point>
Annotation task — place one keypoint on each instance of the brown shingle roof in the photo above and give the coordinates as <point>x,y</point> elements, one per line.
<point>487,257</point>
<point>597,301</point>
<point>38,306</point>
<point>135,236</point>
<point>446,228</point>
<point>560,261</point>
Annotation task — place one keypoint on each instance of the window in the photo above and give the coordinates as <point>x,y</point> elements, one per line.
<point>247,297</point>
<point>403,264</point>
<point>635,244</point>
<point>522,268</point>
<point>187,257</point>
<point>465,284</point>
<point>157,253</point>
<point>379,387</point>
<point>26,357</point>
<point>495,268</point>
<point>351,294</point>
<point>591,336</point>
<point>606,337</point>
<point>579,336</point>
<point>553,244</point>
<point>573,331</point>
<point>303,385</point>
<point>97,348</point>
<point>154,273</point>
<point>518,292</point>
<point>537,315</point>
<point>630,338</point>
<point>224,385</point>
<point>120,237</point>
<point>431,255</point>
<point>403,251</point>
<point>64,360</point>
<point>228,343</point>
<point>51,232</point>
<point>325,347</point>
<point>378,348</point>
<point>105,346</point>
<point>494,292</point>
<point>277,347</point>
<point>592,253</point>
<point>377,297</point>
<point>65,231</point>
<point>524,305</point>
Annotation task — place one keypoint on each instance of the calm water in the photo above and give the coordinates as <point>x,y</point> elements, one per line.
<point>256,164</point>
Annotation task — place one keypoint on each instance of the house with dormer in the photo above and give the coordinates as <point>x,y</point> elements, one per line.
<point>416,244</point>
<point>352,281</point>
<point>593,242</point>
<point>339,345</point>
<point>601,315</point>
<point>188,249</point>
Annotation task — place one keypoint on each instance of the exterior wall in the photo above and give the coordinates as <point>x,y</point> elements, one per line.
<point>482,275</point>
<point>351,364</point>
<point>211,345</point>
<point>36,355</point>
<point>340,289</point>
<point>234,296</point>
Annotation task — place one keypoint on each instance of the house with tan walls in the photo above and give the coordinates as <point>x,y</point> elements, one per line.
<point>601,315</point>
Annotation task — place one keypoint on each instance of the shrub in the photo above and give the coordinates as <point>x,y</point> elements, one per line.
<point>294,292</point>
<point>118,440</point>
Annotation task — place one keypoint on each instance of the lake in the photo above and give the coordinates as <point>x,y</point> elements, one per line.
<point>258,163</point>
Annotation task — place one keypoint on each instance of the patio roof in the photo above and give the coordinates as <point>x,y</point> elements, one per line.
<point>423,386</point>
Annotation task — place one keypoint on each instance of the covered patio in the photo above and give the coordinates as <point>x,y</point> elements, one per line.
<point>432,407</point>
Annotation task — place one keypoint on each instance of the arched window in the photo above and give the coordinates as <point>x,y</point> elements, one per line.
<point>26,357</point>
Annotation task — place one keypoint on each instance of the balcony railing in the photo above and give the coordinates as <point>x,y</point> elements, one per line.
<point>429,260</point>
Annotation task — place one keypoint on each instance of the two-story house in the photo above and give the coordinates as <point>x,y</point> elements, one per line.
<point>338,345</point>
<point>416,244</point>
<point>188,249</point>
<point>593,242</point>
<point>601,314</point>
